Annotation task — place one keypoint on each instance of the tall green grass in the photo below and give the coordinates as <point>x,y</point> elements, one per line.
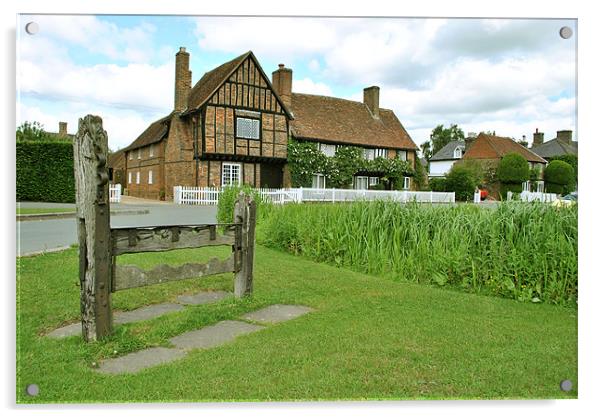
<point>526,252</point>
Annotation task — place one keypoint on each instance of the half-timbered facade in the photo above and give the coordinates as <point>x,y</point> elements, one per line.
<point>233,125</point>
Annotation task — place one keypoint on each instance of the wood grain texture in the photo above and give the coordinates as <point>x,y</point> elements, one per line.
<point>128,276</point>
<point>164,238</point>
<point>245,214</point>
<point>90,149</point>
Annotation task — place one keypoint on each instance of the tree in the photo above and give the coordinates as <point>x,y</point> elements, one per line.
<point>420,176</point>
<point>513,169</point>
<point>568,158</point>
<point>31,131</point>
<point>426,150</point>
<point>559,177</point>
<point>441,136</point>
<point>462,181</point>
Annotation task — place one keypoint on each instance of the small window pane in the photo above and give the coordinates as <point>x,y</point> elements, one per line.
<point>328,150</point>
<point>374,181</point>
<point>230,174</point>
<point>150,176</point>
<point>247,128</point>
<point>318,181</point>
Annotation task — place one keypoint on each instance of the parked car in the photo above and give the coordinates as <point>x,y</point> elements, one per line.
<point>567,200</point>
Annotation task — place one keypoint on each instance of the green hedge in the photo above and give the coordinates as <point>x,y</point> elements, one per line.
<point>45,171</point>
<point>559,177</point>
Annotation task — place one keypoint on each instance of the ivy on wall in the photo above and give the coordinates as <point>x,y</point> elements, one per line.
<point>305,159</point>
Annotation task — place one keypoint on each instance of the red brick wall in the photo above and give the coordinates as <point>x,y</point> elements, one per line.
<point>143,165</point>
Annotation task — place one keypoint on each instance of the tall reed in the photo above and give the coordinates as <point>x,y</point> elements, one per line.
<point>520,251</point>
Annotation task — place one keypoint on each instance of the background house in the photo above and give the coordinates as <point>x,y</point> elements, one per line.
<point>563,144</point>
<point>444,159</point>
<point>233,127</point>
<point>490,149</point>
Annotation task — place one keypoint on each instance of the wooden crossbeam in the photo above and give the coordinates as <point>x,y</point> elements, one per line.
<point>128,276</point>
<point>163,238</point>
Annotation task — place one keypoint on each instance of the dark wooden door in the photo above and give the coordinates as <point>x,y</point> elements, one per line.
<point>271,175</point>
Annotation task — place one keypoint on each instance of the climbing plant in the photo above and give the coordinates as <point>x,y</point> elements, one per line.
<point>305,159</point>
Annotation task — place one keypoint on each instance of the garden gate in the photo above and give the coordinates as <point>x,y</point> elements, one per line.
<point>100,245</point>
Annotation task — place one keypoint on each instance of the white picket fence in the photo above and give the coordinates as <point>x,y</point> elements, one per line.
<point>210,195</point>
<point>526,196</point>
<point>115,193</point>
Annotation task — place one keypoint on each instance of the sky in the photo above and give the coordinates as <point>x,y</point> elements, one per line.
<point>510,76</point>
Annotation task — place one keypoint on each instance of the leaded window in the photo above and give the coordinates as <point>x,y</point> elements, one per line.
<point>247,128</point>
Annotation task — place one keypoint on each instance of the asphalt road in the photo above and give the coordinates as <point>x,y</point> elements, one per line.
<point>35,236</point>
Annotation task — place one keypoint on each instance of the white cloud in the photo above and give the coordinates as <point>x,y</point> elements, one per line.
<point>122,126</point>
<point>44,70</point>
<point>306,85</point>
<point>99,36</point>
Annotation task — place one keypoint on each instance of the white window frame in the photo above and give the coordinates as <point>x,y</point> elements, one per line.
<point>540,186</point>
<point>129,177</point>
<point>402,155</point>
<point>150,176</point>
<point>369,154</point>
<point>364,181</point>
<point>228,175</point>
<point>373,181</point>
<point>458,152</point>
<point>407,183</point>
<point>526,186</point>
<point>318,181</point>
<point>380,152</point>
<point>131,157</point>
<point>139,153</point>
<point>137,177</point>
<point>151,150</point>
<point>328,150</point>
<point>255,124</point>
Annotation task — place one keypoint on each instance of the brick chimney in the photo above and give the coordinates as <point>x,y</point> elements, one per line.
<point>183,80</point>
<point>469,140</point>
<point>565,136</point>
<point>282,80</point>
<point>63,129</point>
<point>537,138</point>
<point>371,99</point>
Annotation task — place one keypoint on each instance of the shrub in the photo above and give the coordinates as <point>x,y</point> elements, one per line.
<point>509,187</point>
<point>437,184</point>
<point>45,171</point>
<point>513,169</point>
<point>569,158</point>
<point>559,177</point>
<point>420,176</point>
<point>227,198</point>
<point>462,181</point>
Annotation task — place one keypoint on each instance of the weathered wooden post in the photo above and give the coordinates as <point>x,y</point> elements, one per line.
<point>245,214</point>
<point>90,149</point>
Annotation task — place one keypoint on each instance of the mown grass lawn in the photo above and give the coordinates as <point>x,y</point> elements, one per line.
<point>368,338</point>
<point>35,211</point>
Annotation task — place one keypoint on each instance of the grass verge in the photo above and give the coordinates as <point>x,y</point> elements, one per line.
<point>35,211</point>
<point>368,338</point>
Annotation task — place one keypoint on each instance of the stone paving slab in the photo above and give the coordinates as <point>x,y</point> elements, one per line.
<point>140,314</point>
<point>213,335</point>
<point>139,360</point>
<point>66,331</point>
<point>203,297</point>
<point>276,313</point>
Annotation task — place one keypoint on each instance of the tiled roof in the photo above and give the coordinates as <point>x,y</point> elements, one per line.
<point>155,132</point>
<point>116,158</point>
<point>331,119</point>
<point>211,81</point>
<point>555,147</point>
<point>447,152</point>
<point>494,147</point>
